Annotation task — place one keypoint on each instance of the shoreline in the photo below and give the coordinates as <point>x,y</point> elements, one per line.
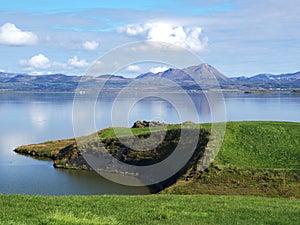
<point>245,91</point>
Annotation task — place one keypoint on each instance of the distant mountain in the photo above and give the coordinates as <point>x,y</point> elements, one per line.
<point>4,74</point>
<point>187,78</point>
<point>114,77</point>
<point>269,81</point>
<point>268,76</point>
<point>199,72</point>
<point>288,76</point>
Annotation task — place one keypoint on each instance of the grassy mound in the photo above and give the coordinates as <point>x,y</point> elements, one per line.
<point>256,158</point>
<point>261,145</point>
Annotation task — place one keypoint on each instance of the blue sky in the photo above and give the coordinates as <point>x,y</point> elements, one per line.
<point>237,37</point>
<point>56,6</point>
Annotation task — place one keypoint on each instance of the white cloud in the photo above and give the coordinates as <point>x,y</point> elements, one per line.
<point>133,68</point>
<point>133,29</point>
<point>40,64</point>
<point>90,45</point>
<point>37,62</point>
<point>158,69</point>
<point>186,37</point>
<point>40,61</point>
<point>11,35</point>
<point>75,62</point>
<point>36,73</point>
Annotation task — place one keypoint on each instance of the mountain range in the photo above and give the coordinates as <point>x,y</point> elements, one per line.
<point>188,78</point>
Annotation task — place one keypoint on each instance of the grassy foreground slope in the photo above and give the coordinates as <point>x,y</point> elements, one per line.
<point>153,209</point>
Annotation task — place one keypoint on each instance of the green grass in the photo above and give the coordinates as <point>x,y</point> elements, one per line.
<point>261,145</point>
<point>158,209</point>
<point>256,158</point>
<point>49,149</point>
<point>123,131</point>
<point>252,144</point>
<point>246,144</point>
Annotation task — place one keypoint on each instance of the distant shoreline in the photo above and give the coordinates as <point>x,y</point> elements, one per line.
<point>249,91</point>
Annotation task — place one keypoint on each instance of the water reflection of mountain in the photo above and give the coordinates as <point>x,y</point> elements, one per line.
<point>172,108</point>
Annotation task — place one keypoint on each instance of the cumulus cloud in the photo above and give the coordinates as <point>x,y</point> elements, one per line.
<point>90,45</point>
<point>38,62</point>
<point>158,69</point>
<point>134,29</point>
<point>133,68</point>
<point>11,35</point>
<point>186,37</point>
<point>75,62</point>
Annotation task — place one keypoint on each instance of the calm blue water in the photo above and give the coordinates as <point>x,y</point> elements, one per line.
<point>34,118</point>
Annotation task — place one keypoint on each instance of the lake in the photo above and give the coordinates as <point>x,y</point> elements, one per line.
<point>34,118</point>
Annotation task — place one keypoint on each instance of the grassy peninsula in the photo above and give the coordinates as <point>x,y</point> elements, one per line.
<point>256,158</point>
